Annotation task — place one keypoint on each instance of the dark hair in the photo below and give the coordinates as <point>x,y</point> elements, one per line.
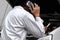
<point>19,2</point>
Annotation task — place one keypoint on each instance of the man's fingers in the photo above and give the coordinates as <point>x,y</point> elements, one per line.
<point>32,5</point>
<point>35,5</point>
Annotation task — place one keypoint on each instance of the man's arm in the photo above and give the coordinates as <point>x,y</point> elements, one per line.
<point>33,27</point>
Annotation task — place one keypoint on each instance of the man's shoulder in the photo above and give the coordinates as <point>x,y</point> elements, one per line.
<point>17,12</point>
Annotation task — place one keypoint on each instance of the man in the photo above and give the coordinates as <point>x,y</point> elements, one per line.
<point>20,21</point>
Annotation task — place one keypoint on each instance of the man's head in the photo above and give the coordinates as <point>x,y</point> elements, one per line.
<point>18,2</point>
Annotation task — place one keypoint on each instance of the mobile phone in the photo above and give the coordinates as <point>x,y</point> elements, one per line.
<point>29,4</point>
<point>48,24</point>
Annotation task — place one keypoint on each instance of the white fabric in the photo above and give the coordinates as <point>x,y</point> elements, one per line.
<point>48,37</point>
<point>18,22</point>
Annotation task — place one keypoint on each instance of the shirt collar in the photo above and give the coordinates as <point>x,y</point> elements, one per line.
<point>19,7</point>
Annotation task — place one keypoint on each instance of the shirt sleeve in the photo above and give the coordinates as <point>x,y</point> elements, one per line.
<point>39,22</point>
<point>39,19</point>
<point>33,27</point>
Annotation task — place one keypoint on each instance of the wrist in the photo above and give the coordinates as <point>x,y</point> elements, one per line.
<point>37,15</point>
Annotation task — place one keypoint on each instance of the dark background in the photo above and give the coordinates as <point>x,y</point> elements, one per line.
<point>48,6</point>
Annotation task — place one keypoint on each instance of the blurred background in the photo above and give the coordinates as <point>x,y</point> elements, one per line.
<point>50,12</point>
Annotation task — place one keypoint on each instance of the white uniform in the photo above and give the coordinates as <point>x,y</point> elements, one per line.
<point>18,22</point>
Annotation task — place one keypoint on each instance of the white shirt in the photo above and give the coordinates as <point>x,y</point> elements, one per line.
<point>18,22</point>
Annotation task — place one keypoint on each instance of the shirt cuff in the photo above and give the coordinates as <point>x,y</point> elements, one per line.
<point>39,19</point>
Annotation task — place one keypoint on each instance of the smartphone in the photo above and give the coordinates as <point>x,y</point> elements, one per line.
<point>29,4</point>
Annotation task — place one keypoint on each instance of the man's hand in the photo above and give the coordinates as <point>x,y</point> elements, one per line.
<point>46,28</point>
<point>35,10</point>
